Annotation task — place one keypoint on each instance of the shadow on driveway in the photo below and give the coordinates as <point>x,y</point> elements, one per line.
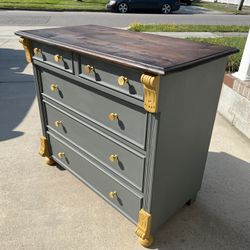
<point>219,219</point>
<point>17,92</point>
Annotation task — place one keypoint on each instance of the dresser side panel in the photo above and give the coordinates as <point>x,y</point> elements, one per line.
<point>187,107</point>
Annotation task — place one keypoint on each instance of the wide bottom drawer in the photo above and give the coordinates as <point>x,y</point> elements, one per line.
<point>121,197</point>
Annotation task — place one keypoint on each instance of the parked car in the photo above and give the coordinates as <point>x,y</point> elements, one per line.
<point>124,6</point>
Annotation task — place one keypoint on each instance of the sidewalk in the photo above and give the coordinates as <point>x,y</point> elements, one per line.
<point>45,208</point>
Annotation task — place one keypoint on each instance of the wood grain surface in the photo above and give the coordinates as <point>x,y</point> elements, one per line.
<point>153,53</point>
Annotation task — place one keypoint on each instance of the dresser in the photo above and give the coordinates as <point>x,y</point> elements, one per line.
<point>129,114</point>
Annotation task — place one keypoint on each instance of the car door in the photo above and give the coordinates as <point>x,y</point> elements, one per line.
<point>144,4</point>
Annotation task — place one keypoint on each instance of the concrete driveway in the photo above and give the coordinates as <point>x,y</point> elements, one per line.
<point>42,207</point>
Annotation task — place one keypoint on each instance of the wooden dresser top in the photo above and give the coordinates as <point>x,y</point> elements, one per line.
<point>152,53</point>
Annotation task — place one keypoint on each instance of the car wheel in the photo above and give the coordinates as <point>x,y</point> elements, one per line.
<point>122,8</point>
<point>166,8</point>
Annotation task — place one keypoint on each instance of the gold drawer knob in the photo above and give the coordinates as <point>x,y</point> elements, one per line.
<point>88,69</point>
<point>61,154</point>
<point>122,80</point>
<point>113,116</point>
<point>113,158</point>
<point>112,194</point>
<point>58,58</point>
<point>58,123</point>
<point>37,51</point>
<point>53,87</point>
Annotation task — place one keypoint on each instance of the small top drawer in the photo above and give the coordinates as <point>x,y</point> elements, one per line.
<point>54,56</point>
<point>124,119</point>
<point>123,79</point>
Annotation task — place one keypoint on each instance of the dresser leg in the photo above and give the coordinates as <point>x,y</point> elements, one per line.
<point>44,151</point>
<point>191,201</point>
<point>143,228</point>
<point>49,161</point>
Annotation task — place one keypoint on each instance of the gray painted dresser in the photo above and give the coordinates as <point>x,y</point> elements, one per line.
<point>129,114</point>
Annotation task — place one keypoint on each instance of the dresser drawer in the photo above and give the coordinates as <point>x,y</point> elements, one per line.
<point>118,116</point>
<point>126,163</point>
<point>122,79</point>
<point>124,199</point>
<point>54,56</point>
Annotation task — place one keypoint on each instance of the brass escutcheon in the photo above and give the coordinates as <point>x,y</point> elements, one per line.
<point>53,87</point>
<point>112,194</point>
<point>61,154</point>
<point>113,116</point>
<point>58,58</point>
<point>122,80</point>
<point>88,69</point>
<point>113,157</point>
<point>58,123</point>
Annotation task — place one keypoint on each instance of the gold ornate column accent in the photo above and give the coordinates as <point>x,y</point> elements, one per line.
<point>27,48</point>
<point>44,151</point>
<point>151,92</point>
<point>143,228</point>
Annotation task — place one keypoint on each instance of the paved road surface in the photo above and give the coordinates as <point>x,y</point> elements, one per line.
<point>189,16</point>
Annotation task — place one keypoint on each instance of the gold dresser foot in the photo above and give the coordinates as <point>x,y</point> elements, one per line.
<point>49,161</point>
<point>44,151</point>
<point>143,229</point>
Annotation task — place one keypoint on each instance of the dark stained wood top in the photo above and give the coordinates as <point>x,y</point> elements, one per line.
<point>155,54</point>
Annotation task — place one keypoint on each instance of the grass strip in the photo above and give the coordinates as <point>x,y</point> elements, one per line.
<point>186,28</point>
<point>54,4</point>
<point>233,62</point>
<point>224,7</point>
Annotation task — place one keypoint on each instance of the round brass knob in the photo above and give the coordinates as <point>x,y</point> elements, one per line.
<point>113,157</point>
<point>112,194</point>
<point>122,80</point>
<point>61,154</point>
<point>88,69</point>
<point>53,87</point>
<point>36,51</point>
<point>58,58</point>
<point>58,123</point>
<point>113,116</point>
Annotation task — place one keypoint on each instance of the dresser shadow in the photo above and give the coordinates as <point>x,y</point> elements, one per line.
<point>17,92</point>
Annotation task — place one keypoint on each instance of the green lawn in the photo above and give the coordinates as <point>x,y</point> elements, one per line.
<point>238,42</point>
<point>95,5</point>
<point>229,8</point>
<point>187,28</point>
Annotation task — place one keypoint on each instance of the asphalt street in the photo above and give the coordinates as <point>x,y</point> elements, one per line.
<point>186,15</point>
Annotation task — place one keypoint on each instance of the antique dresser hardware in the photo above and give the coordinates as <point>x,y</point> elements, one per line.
<point>122,80</point>
<point>151,92</point>
<point>113,116</point>
<point>88,69</point>
<point>58,58</point>
<point>61,154</point>
<point>168,99</point>
<point>58,123</point>
<point>143,228</point>
<point>53,87</point>
<point>37,51</point>
<point>27,48</point>
<point>113,158</point>
<point>112,194</point>
<point>44,151</point>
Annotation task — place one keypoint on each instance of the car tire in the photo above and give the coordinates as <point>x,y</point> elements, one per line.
<point>122,7</point>
<point>166,8</point>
